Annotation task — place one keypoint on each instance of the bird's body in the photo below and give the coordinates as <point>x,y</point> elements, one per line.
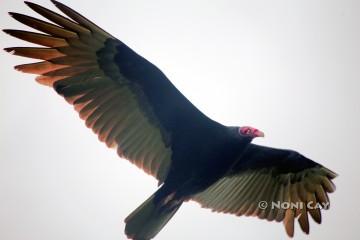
<point>132,106</point>
<point>196,168</point>
<point>197,141</point>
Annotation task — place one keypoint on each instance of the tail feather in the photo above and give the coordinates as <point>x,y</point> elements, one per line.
<point>149,218</point>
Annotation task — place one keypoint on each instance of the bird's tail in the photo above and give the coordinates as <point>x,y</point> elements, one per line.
<point>151,216</point>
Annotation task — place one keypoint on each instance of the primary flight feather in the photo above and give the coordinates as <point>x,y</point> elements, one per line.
<point>132,106</point>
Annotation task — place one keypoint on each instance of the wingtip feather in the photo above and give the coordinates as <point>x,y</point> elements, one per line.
<point>31,4</point>
<point>57,2</point>
<point>16,15</point>
<point>6,31</point>
<point>9,32</point>
<point>54,2</point>
<point>9,50</point>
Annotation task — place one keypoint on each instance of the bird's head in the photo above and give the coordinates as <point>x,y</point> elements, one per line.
<point>251,132</point>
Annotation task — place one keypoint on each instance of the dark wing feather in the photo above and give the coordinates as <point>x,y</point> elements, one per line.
<point>127,101</point>
<point>272,175</point>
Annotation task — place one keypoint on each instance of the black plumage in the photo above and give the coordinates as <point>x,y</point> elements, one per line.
<point>132,106</point>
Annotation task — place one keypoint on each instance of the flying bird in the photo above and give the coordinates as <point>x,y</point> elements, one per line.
<point>133,107</point>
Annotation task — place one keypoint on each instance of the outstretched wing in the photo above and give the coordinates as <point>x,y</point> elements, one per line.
<point>272,184</point>
<point>127,101</point>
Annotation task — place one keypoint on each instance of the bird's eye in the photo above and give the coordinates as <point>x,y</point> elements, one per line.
<point>248,131</point>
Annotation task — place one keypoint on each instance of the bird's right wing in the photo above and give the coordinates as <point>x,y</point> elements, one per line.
<point>127,101</point>
<point>272,184</point>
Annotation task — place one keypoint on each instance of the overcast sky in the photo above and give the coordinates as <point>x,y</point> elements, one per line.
<point>287,67</point>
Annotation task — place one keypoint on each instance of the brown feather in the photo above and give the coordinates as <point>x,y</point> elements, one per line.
<point>322,197</point>
<point>32,52</point>
<point>73,61</point>
<point>289,222</point>
<point>329,173</point>
<point>304,221</point>
<point>43,26</point>
<point>80,19</point>
<point>103,105</point>
<point>58,19</point>
<point>39,67</point>
<point>271,213</point>
<point>68,71</point>
<point>328,185</point>
<point>48,81</point>
<point>302,192</point>
<point>314,211</point>
<point>37,38</point>
<point>107,120</point>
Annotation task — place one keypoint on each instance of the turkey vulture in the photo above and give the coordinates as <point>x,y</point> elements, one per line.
<point>132,106</point>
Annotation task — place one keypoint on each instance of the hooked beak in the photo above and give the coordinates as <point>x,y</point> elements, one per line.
<point>259,133</point>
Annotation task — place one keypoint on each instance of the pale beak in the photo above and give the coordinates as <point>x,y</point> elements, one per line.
<point>259,133</point>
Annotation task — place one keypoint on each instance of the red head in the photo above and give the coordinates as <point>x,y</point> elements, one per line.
<point>250,132</point>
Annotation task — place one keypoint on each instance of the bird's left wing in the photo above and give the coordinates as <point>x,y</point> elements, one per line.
<point>126,100</point>
<point>272,184</point>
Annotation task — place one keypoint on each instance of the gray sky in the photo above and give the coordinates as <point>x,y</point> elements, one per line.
<point>289,68</point>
